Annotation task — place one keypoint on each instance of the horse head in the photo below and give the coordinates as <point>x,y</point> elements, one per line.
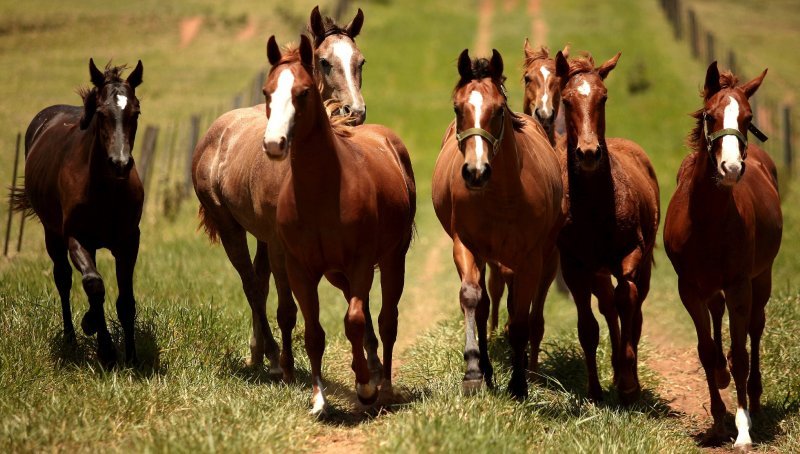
<point>480,105</point>
<point>726,116</point>
<point>290,92</point>
<point>338,63</point>
<point>584,95</point>
<point>542,86</point>
<point>112,107</point>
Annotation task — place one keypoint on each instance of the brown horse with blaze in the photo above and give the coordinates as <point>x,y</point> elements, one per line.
<point>346,205</point>
<point>80,180</point>
<point>497,192</point>
<point>613,213</point>
<point>722,233</point>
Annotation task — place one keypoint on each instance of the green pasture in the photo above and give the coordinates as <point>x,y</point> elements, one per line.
<point>193,392</point>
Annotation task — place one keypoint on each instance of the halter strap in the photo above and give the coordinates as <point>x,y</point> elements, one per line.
<point>711,137</point>
<point>493,141</point>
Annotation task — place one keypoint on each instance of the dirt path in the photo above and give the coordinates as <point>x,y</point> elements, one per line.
<point>189,29</point>
<point>538,25</point>
<point>482,40</point>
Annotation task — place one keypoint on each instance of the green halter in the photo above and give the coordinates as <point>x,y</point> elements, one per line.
<point>493,141</point>
<point>711,137</point>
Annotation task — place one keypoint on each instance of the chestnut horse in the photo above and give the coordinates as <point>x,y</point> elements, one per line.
<point>346,205</point>
<point>80,180</point>
<point>497,192</point>
<point>542,100</point>
<point>613,213</point>
<point>722,233</point>
<point>238,191</point>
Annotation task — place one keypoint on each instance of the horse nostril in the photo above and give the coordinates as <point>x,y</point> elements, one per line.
<point>346,110</point>
<point>282,143</point>
<point>486,174</point>
<point>724,166</point>
<point>465,173</point>
<point>580,153</point>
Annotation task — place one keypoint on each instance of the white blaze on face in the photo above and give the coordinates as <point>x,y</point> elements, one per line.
<point>730,144</point>
<point>585,88</point>
<point>344,52</point>
<point>545,73</point>
<point>476,99</point>
<point>281,108</point>
<point>122,101</point>
<point>743,425</point>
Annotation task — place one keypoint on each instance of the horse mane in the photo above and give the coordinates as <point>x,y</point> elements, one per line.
<point>541,53</point>
<point>480,70</point>
<point>696,140</point>
<point>111,75</point>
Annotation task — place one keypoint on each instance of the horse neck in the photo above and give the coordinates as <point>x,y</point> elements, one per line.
<point>315,159</point>
<point>590,191</point>
<point>708,198</point>
<point>94,154</point>
<point>506,180</point>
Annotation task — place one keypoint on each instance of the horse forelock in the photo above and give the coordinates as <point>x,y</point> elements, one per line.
<point>330,28</point>
<point>111,75</point>
<point>539,54</point>
<point>580,65</point>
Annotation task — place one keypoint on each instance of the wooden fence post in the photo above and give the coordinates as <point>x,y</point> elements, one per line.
<point>13,190</point>
<point>694,34</point>
<point>148,152</point>
<point>677,20</point>
<point>710,54</point>
<point>21,229</point>
<point>732,62</point>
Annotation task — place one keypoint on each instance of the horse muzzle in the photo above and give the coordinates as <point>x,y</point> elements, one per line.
<point>276,150</point>
<point>121,166</point>
<point>355,115</point>
<point>476,177</point>
<point>731,172</point>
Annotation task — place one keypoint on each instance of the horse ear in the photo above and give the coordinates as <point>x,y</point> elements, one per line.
<point>97,77</point>
<point>354,27</point>
<point>562,66</point>
<point>89,107</point>
<point>464,65</point>
<point>306,51</point>
<point>565,51</point>
<point>135,77</point>
<point>606,67</point>
<point>751,87</point>
<point>273,51</point>
<point>315,24</point>
<point>528,49</point>
<point>496,64</point>
<point>712,85</point>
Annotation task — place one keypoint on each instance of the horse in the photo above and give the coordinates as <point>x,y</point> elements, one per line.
<point>542,100</point>
<point>338,63</point>
<point>82,184</point>
<point>346,205</point>
<point>237,187</point>
<point>613,213</point>
<point>722,233</point>
<point>497,192</point>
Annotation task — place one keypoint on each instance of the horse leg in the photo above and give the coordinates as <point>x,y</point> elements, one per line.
<point>355,328</point>
<point>739,300</point>
<point>125,257</point>
<point>706,350</point>
<point>62,274</point>
<point>496,288</point>
<point>469,296</point>
<point>762,287</point>
<point>579,284</point>
<point>628,302</point>
<point>287,309</point>
<point>536,317</point>
<point>393,272</point>
<point>716,306</point>
<point>94,321</point>
<point>234,240</point>
<point>524,289</point>
<point>604,290</point>
<point>304,285</point>
<point>481,319</point>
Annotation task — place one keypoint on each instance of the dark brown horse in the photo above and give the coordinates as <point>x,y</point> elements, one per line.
<point>542,100</point>
<point>613,214</point>
<point>80,180</point>
<point>497,191</point>
<point>237,186</point>
<point>346,206</point>
<point>722,233</point>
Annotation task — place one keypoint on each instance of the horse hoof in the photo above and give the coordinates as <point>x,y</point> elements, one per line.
<point>276,371</point>
<point>629,396</point>
<point>88,325</point>
<point>722,377</point>
<point>367,393</point>
<point>741,448</point>
<point>107,355</point>
<point>288,376</point>
<point>472,387</point>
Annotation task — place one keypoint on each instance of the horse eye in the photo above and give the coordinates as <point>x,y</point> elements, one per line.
<point>527,79</point>
<point>326,65</point>
<point>361,65</point>
<point>303,94</point>
<point>264,91</point>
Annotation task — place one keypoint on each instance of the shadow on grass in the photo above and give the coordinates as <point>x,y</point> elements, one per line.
<point>81,351</point>
<point>766,424</point>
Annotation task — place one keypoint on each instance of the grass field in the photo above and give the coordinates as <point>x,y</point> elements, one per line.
<point>193,392</point>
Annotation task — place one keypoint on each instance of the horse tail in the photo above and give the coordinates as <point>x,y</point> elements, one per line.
<point>20,201</point>
<point>207,224</point>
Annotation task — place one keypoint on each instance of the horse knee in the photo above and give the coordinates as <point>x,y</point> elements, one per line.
<point>94,287</point>
<point>470,296</point>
